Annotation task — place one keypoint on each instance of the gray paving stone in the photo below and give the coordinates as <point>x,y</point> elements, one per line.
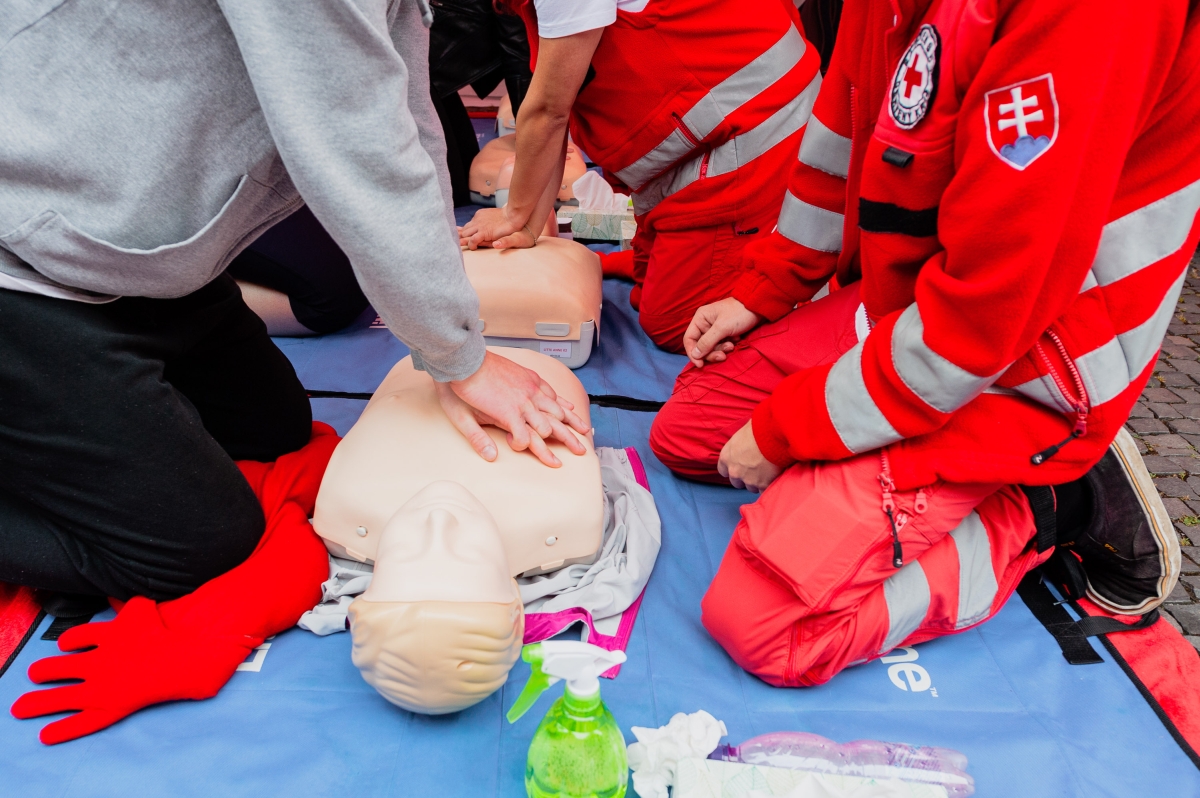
<point>1194,640</point>
<point>1190,396</point>
<point>1188,616</point>
<point>1191,553</point>
<point>1179,340</point>
<point>1171,620</point>
<point>1141,410</point>
<point>1187,366</point>
<point>1147,426</point>
<point>1162,395</point>
<point>1168,444</point>
<point>1161,466</point>
<point>1173,487</point>
<point>1188,425</point>
<point>1176,508</point>
<point>1192,581</point>
<point>1176,379</point>
<point>1164,411</point>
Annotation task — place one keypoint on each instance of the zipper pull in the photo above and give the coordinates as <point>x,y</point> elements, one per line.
<point>897,549</point>
<point>921,503</point>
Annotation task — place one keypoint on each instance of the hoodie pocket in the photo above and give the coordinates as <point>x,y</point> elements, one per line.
<point>57,249</point>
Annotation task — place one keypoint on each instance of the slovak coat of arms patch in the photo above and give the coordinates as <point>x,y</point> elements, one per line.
<point>915,81</point>
<point>1022,120</point>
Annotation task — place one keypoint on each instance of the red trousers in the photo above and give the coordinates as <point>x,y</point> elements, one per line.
<point>677,271</point>
<point>808,585</point>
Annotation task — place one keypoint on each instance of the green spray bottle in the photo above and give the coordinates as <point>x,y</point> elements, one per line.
<point>578,750</point>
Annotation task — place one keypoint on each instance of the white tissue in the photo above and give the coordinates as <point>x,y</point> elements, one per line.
<point>595,194</point>
<point>657,752</point>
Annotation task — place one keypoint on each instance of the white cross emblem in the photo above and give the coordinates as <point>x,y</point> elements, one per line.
<point>1020,120</point>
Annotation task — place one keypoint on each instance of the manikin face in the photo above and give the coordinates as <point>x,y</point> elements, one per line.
<point>442,545</point>
<point>442,623</point>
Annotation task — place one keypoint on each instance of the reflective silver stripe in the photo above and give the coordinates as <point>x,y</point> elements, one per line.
<point>939,383</point>
<point>825,150</point>
<point>1146,236</point>
<point>1089,282</point>
<point>674,147</point>
<point>1108,369</point>
<point>977,585</point>
<point>855,416</point>
<point>758,140</point>
<point>734,153</point>
<point>721,101</point>
<point>810,226</point>
<point>906,593</point>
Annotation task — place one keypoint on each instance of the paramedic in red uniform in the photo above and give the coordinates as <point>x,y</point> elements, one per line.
<point>1007,191</point>
<point>696,106</point>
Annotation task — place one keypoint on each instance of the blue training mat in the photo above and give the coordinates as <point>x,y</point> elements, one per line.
<point>306,724</point>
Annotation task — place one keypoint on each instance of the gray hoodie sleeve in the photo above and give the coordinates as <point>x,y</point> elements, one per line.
<point>340,101</point>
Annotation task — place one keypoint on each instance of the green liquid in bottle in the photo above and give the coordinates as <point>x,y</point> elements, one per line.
<point>577,752</point>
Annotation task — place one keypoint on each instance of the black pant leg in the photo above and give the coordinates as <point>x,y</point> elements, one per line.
<point>297,257</point>
<point>461,144</point>
<point>245,390</point>
<point>109,481</point>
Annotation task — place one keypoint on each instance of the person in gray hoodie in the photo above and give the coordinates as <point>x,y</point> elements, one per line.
<point>143,145</point>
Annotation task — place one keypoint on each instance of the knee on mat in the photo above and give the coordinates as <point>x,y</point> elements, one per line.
<point>670,441</point>
<point>725,616</point>
<point>665,331</point>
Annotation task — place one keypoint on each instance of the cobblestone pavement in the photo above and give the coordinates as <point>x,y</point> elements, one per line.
<point>1166,423</point>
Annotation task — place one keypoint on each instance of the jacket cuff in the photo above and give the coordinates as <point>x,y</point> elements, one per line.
<point>760,296</point>
<point>769,436</point>
<point>458,365</point>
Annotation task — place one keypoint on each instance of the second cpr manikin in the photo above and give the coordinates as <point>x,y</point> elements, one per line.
<point>442,622</point>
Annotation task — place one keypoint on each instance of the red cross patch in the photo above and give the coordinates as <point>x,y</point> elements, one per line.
<point>915,81</point>
<point>1022,120</point>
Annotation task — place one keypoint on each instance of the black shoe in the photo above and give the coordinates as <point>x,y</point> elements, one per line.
<point>1114,520</point>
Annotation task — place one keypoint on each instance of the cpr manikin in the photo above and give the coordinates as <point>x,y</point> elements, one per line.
<point>403,441</point>
<point>546,298</point>
<point>491,172</point>
<point>442,623</point>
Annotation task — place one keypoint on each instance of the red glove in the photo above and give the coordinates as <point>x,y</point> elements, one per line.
<point>189,647</point>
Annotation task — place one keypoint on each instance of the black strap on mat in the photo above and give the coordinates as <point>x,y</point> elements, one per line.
<point>1041,503</point>
<point>62,624</point>
<point>1070,634</point>
<point>600,400</point>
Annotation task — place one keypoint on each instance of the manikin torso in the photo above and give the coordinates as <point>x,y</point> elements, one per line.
<point>442,623</point>
<point>547,517</point>
<point>521,291</point>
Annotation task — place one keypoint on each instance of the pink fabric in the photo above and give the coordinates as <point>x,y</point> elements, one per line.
<point>545,625</point>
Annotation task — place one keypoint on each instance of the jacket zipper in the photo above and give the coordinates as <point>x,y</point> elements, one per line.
<point>897,518</point>
<point>1080,405</point>
<point>695,142</point>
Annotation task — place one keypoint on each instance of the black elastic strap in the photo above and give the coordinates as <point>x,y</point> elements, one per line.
<point>600,400</point>
<point>885,217</point>
<point>60,625</point>
<point>1058,622</point>
<point>1092,625</point>
<point>1041,504</point>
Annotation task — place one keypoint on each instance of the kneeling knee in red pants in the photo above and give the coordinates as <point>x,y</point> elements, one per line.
<point>808,585</point>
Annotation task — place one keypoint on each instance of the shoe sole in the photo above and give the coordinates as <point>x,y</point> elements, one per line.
<point>1125,448</point>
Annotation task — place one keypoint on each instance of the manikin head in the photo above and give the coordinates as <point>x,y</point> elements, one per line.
<point>442,623</point>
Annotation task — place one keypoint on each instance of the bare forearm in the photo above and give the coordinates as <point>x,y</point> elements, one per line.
<point>541,139</point>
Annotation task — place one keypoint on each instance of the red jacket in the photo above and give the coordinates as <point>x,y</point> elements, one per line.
<point>1016,183</point>
<point>697,106</point>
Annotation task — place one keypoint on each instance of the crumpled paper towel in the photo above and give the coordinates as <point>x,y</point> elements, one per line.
<point>595,194</point>
<point>657,752</point>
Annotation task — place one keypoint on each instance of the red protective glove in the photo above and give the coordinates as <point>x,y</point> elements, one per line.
<point>189,647</point>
